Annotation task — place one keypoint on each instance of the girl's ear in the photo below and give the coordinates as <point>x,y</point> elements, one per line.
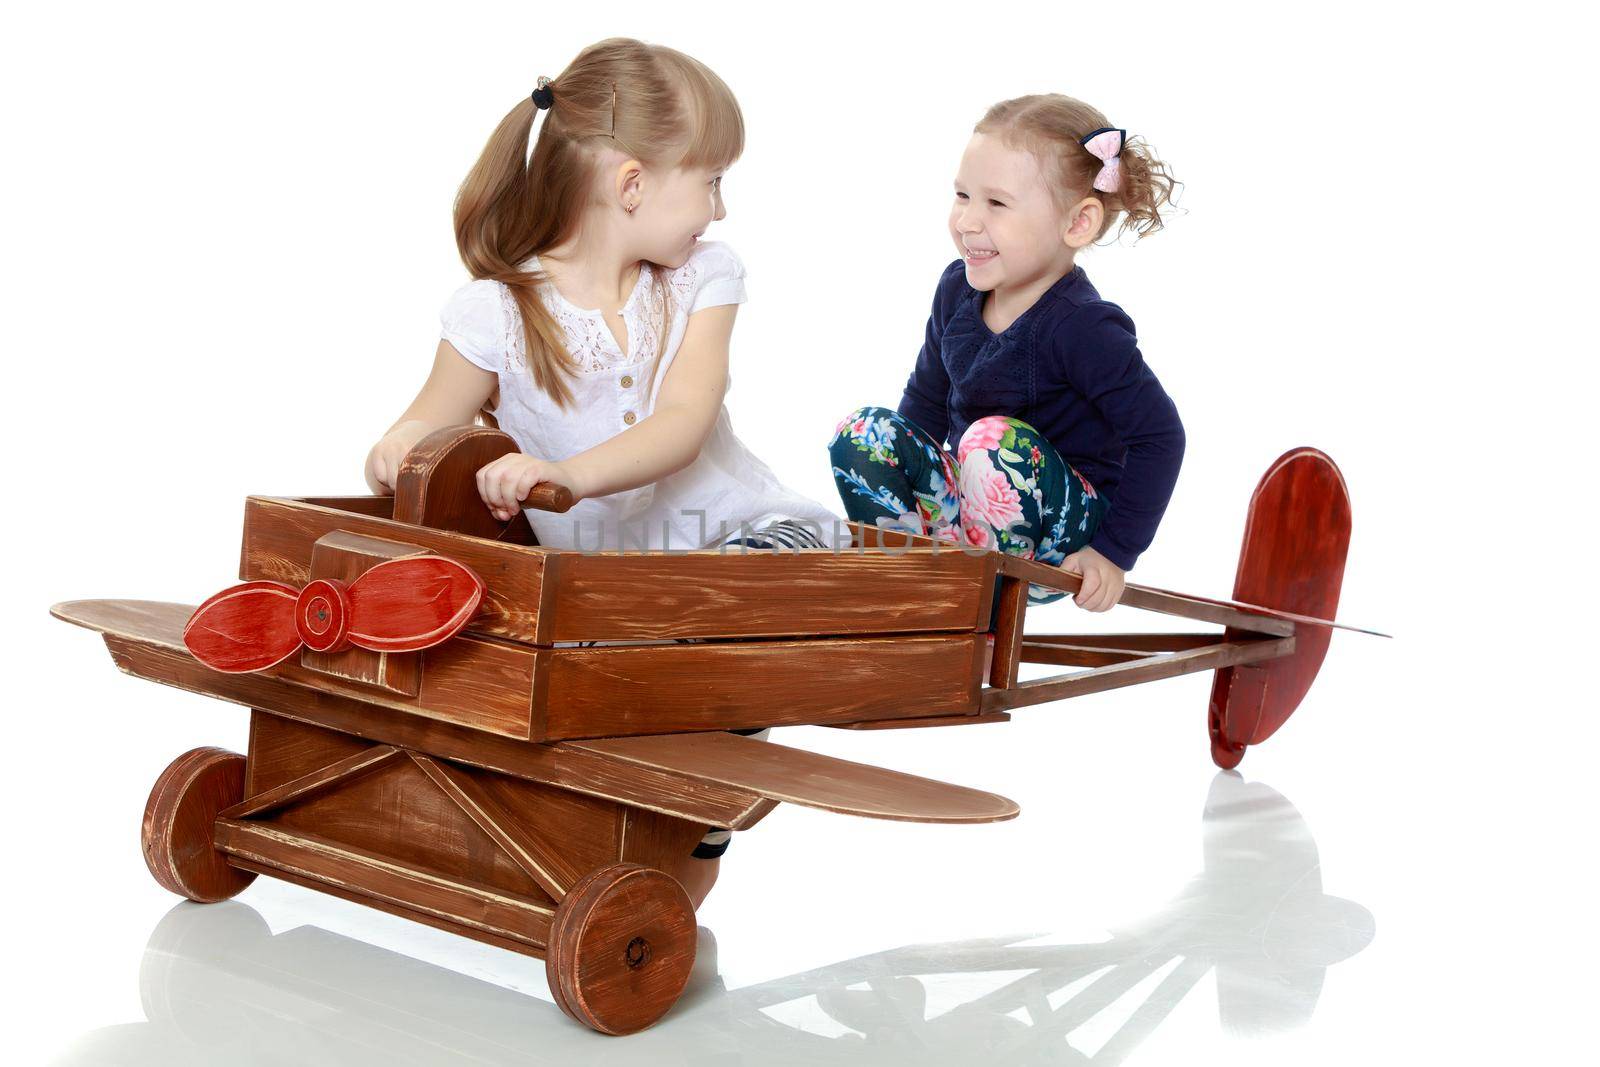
<point>629,183</point>
<point>1083,222</point>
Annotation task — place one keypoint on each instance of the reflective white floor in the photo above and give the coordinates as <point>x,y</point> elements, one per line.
<point>218,984</point>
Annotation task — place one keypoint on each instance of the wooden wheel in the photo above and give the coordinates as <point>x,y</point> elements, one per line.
<point>178,820</point>
<point>621,948</point>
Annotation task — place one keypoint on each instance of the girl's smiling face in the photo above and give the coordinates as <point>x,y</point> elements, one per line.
<point>1006,224</point>
<point>674,213</point>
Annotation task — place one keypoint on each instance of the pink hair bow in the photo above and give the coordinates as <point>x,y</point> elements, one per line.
<point>1105,144</point>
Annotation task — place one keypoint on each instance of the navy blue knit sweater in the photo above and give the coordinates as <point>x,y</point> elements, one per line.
<point>1070,367</point>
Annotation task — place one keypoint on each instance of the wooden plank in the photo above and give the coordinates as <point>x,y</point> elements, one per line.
<point>930,720</point>
<point>1260,613</point>
<point>371,876</point>
<point>1130,642</point>
<point>532,853</point>
<point>379,507</point>
<point>991,574</point>
<point>796,776</point>
<point>145,639</point>
<point>1064,655</point>
<point>157,622</point>
<point>1150,669</point>
<point>368,901</point>
<point>281,751</point>
<point>662,842</point>
<point>484,684</point>
<point>1008,626</point>
<point>309,784</point>
<point>617,692</point>
<point>707,593</point>
<point>982,653</point>
<point>870,537</point>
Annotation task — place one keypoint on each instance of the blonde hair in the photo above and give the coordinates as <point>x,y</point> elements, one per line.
<point>1052,127</point>
<point>650,102</point>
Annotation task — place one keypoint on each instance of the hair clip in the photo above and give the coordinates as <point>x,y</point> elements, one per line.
<point>542,96</point>
<point>1105,144</point>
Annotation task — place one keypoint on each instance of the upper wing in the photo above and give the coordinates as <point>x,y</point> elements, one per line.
<point>1255,609</point>
<point>1187,605</point>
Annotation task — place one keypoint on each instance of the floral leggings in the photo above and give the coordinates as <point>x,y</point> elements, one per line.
<point>1005,488</point>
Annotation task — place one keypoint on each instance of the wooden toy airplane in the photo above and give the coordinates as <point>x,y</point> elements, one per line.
<point>425,738</point>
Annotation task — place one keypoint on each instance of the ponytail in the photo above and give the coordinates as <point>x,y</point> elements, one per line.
<point>1147,186</point>
<point>498,228</point>
<point>650,102</point>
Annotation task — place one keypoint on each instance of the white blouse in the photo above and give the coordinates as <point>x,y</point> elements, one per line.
<point>726,481</point>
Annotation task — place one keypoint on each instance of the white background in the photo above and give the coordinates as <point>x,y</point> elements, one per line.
<point>227,241</point>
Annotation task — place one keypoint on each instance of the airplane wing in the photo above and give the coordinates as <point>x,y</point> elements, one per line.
<point>1257,609</point>
<point>795,776</point>
<point>1165,600</point>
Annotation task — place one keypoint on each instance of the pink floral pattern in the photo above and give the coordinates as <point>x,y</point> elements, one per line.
<point>984,433</point>
<point>988,499</point>
<point>1006,489</point>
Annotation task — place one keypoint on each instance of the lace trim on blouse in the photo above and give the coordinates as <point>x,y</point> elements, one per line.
<point>589,340</point>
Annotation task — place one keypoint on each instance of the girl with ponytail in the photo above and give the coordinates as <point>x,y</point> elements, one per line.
<point>1067,447</point>
<point>596,328</point>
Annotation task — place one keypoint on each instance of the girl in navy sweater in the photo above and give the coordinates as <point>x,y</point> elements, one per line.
<point>1067,446</point>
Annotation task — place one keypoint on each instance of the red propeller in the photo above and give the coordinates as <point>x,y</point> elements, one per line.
<point>400,605</point>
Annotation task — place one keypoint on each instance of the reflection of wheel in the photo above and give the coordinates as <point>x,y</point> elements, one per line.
<point>1224,753</point>
<point>190,977</point>
<point>621,948</point>
<point>178,825</point>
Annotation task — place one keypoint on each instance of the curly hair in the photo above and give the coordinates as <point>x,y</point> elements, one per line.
<point>1052,127</point>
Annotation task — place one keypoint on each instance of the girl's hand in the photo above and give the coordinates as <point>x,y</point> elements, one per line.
<point>507,481</point>
<point>1102,579</point>
<point>383,462</point>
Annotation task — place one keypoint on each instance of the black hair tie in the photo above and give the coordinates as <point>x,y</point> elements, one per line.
<point>542,96</point>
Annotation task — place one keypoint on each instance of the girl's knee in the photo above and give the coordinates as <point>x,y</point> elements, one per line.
<point>987,433</point>
<point>856,421</point>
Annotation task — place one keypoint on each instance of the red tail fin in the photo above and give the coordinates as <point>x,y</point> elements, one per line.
<point>1296,535</point>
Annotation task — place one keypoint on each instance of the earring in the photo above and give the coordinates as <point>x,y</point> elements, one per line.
<point>630,209</point>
